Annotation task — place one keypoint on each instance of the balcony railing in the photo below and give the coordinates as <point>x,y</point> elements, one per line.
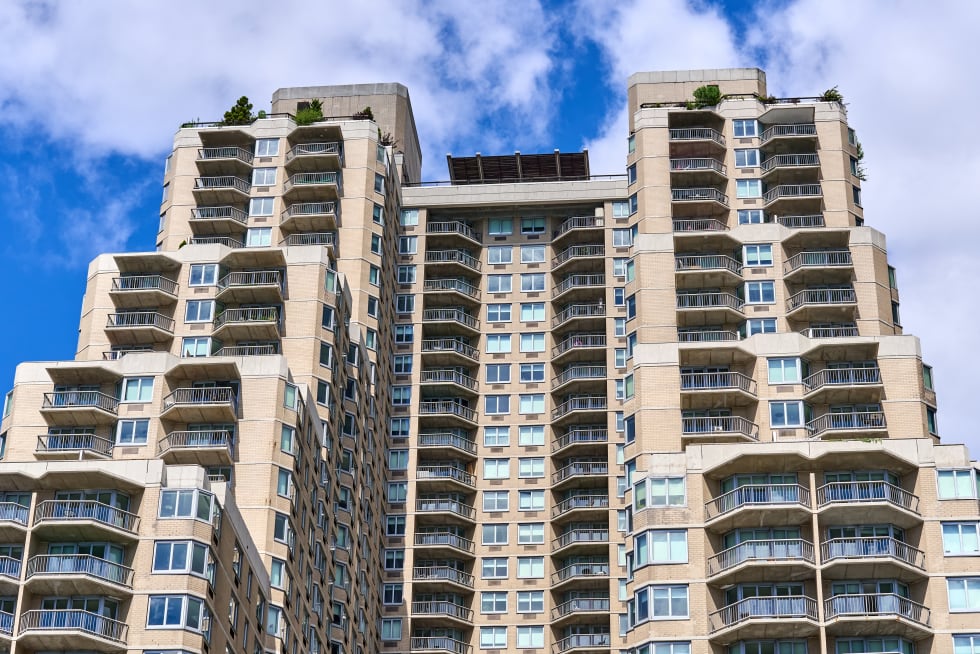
<point>308,149</point>
<point>703,262</point>
<point>822,259</point>
<point>801,222</point>
<point>452,284</point>
<point>247,315</point>
<point>145,283</point>
<point>712,381</point>
<point>577,536</point>
<point>850,421</point>
<point>876,605</point>
<point>453,256</point>
<point>707,425</point>
<point>10,567</point>
<point>707,335</point>
<point>792,191</point>
<point>247,350</point>
<point>581,469</point>
<point>442,573</point>
<point>597,310</point>
<point>13,512</point>
<point>434,407</point>
<point>578,222</point>
<point>195,440</point>
<point>703,163</point>
<point>80,564</point>
<point>843,331</point>
<point>581,605</point>
<point>311,179</point>
<point>453,227</point>
<point>763,551</point>
<point>450,345</point>
<point>442,505</point>
<point>709,300</point>
<point>790,161</point>
<point>799,129</point>
<point>209,395</point>
<point>442,608</point>
<point>872,547</point>
<point>448,539</point>
<point>70,510</point>
<point>798,607</point>
<point>758,495</point>
<point>580,570</point>
<point>586,403</point>
<point>440,644</point>
<point>818,296</point>
<point>437,472</point>
<point>312,238</point>
<point>135,319</point>
<point>80,399</point>
<point>580,502</point>
<point>222,182</point>
<point>219,213</point>
<point>254,278</point>
<point>859,492</point>
<point>578,281</point>
<point>699,225</point>
<point>448,376</point>
<point>74,443</point>
<point>450,315</point>
<point>842,377</point>
<point>446,439</point>
<point>93,624</point>
<point>579,372</point>
<point>227,241</point>
<point>697,134</point>
<point>577,252</point>
<point>576,341</point>
<point>116,354</point>
<point>577,435</point>
<point>227,152</point>
<point>577,641</point>
<point>698,195</point>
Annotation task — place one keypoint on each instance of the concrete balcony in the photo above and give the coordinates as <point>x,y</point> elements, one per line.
<point>227,160</point>
<point>203,448</point>
<point>709,300</point>
<point>439,644</point>
<point>706,194</point>
<point>309,217</point>
<point>815,303</point>
<point>586,374</point>
<point>143,291</point>
<point>683,226</point>
<point>581,437</point>
<point>218,220</point>
<point>576,346</point>
<point>579,227</point>
<point>445,506</point>
<point>792,192</point>
<point>320,186</point>
<point>449,541</point>
<point>694,166</point>
<point>455,441</point>
<point>448,351</point>
<point>10,569</point>
<point>792,131</point>
<point>442,575</point>
<point>449,408</point>
<point>588,572</point>
<point>71,629</point>
<point>458,289</point>
<point>581,506</point>
<point>789,162</point>
<point>221,189</point>
<point>762,560</point>
<point>583,316</point>
<point>579,406</point>
<point>706,270</point>
<point>77,574</point>
<point>328,239</point>
<point>811,221</point>
<point>872,558</point>
<point>578,257</point>
<point>850,424</point>
<point>444,477</point>
<point>580,287</point>
<point>443,610</point>
<point>752,618</point>
<point>83,520</point>
<point>583,643</point>
<point>580,470</point>
<point>79,408</point>
<point>694,335</point>
<point>449,378</point>
<point>248,350</point>
<point>226,241</point>
<point>718,382</point>
<point>70,447</point>
<point>584,608</point>
<point>453,229</point>
<point>139,327</point>
<point>876,614</point>
<point>844,385</point>
<point>843,331</point>
<point>758,505</point>
<point>257,286</point>
<point>716,428</point>
<point>705,134</point>
<point>248,324</point>
<point>822,266</point>
<point>867,502</point>
<point>13,520</point>
<point>578,539</point>
<point>323,155</point>
<point>201,405</point>
<point>452,260</point>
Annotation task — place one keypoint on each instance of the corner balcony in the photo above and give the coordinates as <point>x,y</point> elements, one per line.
<point>312,187</point>
<point>790,192</point>
<point>69,447</point>
<point>203,448</point>
<point>762,560</point>
<point>580,470</point>
<point>581,437</point>
<point>448,408</point>
<point>581,506</point>
<point>442,610</point>
<point>71,630</point>
<point>737,387</point>
<point>792,131</point>
<point>201,405</point>
<point>697,134</point>
<point>872,558</point>
<point>454,288</point>
<point>754,618</point>
<point>323,155</point>
<point>758,505</point>
<point>248,324</point>
<point>699,168</point>
<point>10,569</point>
<point>83,520</point>
<point>822,266</point>
<point>143,291</point>
<point>583,643</point>
<point>218,220</point>
<point>867,502</point>
<point>448,351</point>
<point>446,507</point>
<point>789,162</point>
<point>139,327</point>
<point>583,407</point>
<point>684,226</point>
<point>443,542</point>
<point>578,376</point>
<point>253,287</point>
<point>698,429</point>
<point>578,346</point>
<point>706,270</point>
<point>449,379</point>
<point>817,303</point>
<point>452,261</point>
<point>453,441</point>
<point>79,408</point>
<point>852,424</point>
<point>700,195</point>
<point>228,160</point>
<point>579,609</point>
<point>844,385</point>
<point>452,230</point>
<point>576,228</point>
<point>223,189</point>
<point>582,316</point>
<point>445,477</point>
<point>581,540</point>
<point>13,521</point>
<point>579,287</point>
<point>439,644</point>
<point>77,574</point>
<point>590,572</point>
<point>328,239</point>
<point>577,257</point>
<point>442,576</point>
<point>309,217</point>
<point>876,614</point>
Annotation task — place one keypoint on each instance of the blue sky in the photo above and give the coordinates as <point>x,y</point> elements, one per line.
<point>91,94</point>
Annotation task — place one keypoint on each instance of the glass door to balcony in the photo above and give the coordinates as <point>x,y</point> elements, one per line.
<point>762,488</point>
<point>872,597</point>
<point>767,600</point>
<point>863,540</point>
<point>78,613</point>
<point>858,485</point>
<point>780,543</point>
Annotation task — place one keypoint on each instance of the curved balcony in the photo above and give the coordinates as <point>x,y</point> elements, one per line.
<point>577,285</point>
<point>707,194</point>
<point>583,643</point>
<point>143,291</point>
<point>580,469</point>
<point>450,317</point>
<point>577,257</point>
<point>876,614</point>
<point>815,303</point>
<point>221,189</point>
<point>448,351</point>
<point>706,270</point>
<point>448,408</point>
<point>442,575</point>
<point>458,289</point>
<point>581,538</point>
<point>581,506</point>
<point>704,134</point>
<point>789,162</point>
<point>579,227</point>
<point>791,131</point>
<point>758,505</point>
<point>444,541</point>
<point>576,346</point>
<point>203,448</point>
<point>579,373</point>
<point>10,573</point>
<point>439,644</point>
<point>581,437</point>
<point>583,316</point>
<point>218,220</point>
<point>850,424</point>
<point>324,155</point>
<point>576,406</point>
<point>200,405</point>
<point>448,477</point>
<point>871,558</point>
<point>83,520</point>
<point>73,447</point>
<point>456,441</point>
<point>449,378</point>
<point>309,217</point>
<point>792,192</point>
<point>752,618</point>
<point>820,267</point>
<point>844,386</point>
<point>687,225</point>
<point>71,630</point>
<point>79,408</point>
<point>312,238</point>
<point>76,574</point>
<point>762,560</point>
<point>248,324</point>
<point>580,607</point>
<point>442,610</point>
<point>139,327</point>
<point>452,260</point>
<point>13,520</point>
<point>436,230</point>
<point>317,186</point>
<point>719,382</point>
<point>583,571</point>
<point>713,428</point>
<point>445,506</point>
<point>867,502</point>
<point>257,286</point>
<point>227,160</point>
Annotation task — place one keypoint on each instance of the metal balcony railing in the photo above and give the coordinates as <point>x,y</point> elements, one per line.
<point>308,149</point>
<point>577,252</point>
<point>80,564</point>
<point>576,341</point>
<point>312,238</point>
<point>709,300</point>
<point>439,472</point>
<point>698,163</point>
<point>871,547</point>
<point>452,407</point>
<point>144,283</point>
<point>454,256</point>
<point>579,372</point>
<point>798,607</point>
<point>850,421</point>
<point>452,284</point>
<point>194,440</point>
<point>442,573</point>
<point>581,570</point>
<point>792,191</point>
<point>578,222</point>
<point>247,350</point>
<point>442,608</point>
<point>576,641</point>
<point>580,434</point>
<point>453,227</point>
<point>80,399</point>
<point>252,278</point>
<point>707,335</point>
<point>860,492</point>
<point>308,209</point>
<point>585,403</point>
<point>442,505</point>
<point>448,376</point>
<point>755,495</point>
<point>311,179</point>
<point>227,241</point>
<point>13,512</point>
<point>439,643</point>
<point>447,538</point>
<point>10,567</point>
<point>699,225</point>
<point>135,319</point>
<point>801,222</point>
<point>580,502</point>
<point>227,152</point>
<point>700,262</point>
<point>799,129</point>
<point>709,381</point>
<point>93,624</point>
<point>247,315</point>
<point>450,345</point>
<point>70,510</point>
<point>209,395</point>
<point>74,443</point>
<point>578,281</point>
<point>842,377</point>
<point>114,355</point>
<point>577,536</point>
<point>820,259</point>
<point>698,195</point>
<point>817,296</point>
<point>842,331</point>
<point>581,469</point>
<point>219,213</point>
<point>790,161</point>
<point>447,439</point>
<point>697,134</point>
<point>581,605</point>
<point>762,551</point>
<point>222,182</point>
<point>719,425</point>
<point>867,605</point>
<point>597,310</point>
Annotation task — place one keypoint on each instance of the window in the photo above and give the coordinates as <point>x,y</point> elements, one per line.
<point>495,501</point>
<point>278,576</point>
<point>401,364</point>
<point>748,188</point>
<point>786,414</point>
<point>659,603</point>
<point>533,225</point>
<point>494,534</point>
<point>493,602</point>
<point>532,373</point>
<point>394,559</point>
<point>493,637</point>
<point>631,307</point>
<point>498,284</point>
<point>927,377</point>
<point>532,282</point>
<point>530,467</point>
<point>401,395</point>
<point>744,128</point>
<point>498,343</point>
<point>392,594</point>
<point>746,158</point>
<point>500,226</point>
<point>532,311</point>
<point>398,459</point>
<point>530,567</point>
<point>785,371</point>
<point>137,389</point>
<point>195,346</point>
<point>378,214</point>
<point>258,236</point>
<point>399,427</point>
<point>203,274</point>
<point>404,333</point>
<point>531,403</point>
<point>956,484</point>
<point>533,342</point>
<point>532,254</point>
<point>530,435</point>
<point>379,183</point>
<point>496,405</point>
<point>634,204</point>
<point>530,637</point>
<point>499,254</point>
<point>751,217</point>
<point>177,612</point>
<point>530,500</point>
<point>404,303</point>
<point>498,373</point>
<point>493,568</point>
<point>961,538</point>
<point>395,525</point>
<point>660,546</point>
<point>199,311</point>
<point>406,275</point>
<point>931,424</point>
<point>180,556</point>
<point>496,436</point>
<point>408,244</point>
<point>856,195</point>
<point>376,243</point>
<point>622,238</point>
<point>266,147</point>
<point>964,594</point>
<point>621,209</point>
<point>498,313</point>
<point>530,601</point>
<point>662,491</point>
<point>263,176</point>
<point>530,533</point>
<point>760,326</point>
<point>282,532</point>
<point>391,629</point>
<point>397,492</point>
<point>409,217</point>
<point>290,397</point>
<point>496,468</point>
<point>132,432</point>
<point>619,357</point>
<point>287,439</point>
<point>374,275</point>
<point>757,255</point>
<point>619,266</point>
<point>760,292</point>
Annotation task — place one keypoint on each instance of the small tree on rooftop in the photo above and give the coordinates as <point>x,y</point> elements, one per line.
<point>311,114</point>
<point>364,114</point>
<point>832,95</point>
<point>240,113</point>
<point>707,96</point>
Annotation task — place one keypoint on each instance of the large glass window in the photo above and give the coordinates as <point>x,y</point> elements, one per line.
<point>760,292</point>
<point>499,254</point>
<point>499,283</point>
<point>137,389</point>
<point>786,414</point>
<point>956,484</point>
<point>785,371</point>
<point>961,538</point>
<point>532,311</point>
<point>964,594</point>
<point>177,612</point>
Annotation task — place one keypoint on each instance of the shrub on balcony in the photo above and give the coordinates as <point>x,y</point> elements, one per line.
<point>706,96</point>
<point>364,114</point>
<point>240,113</point>
<point>311,114</point>
<point>832,95</point>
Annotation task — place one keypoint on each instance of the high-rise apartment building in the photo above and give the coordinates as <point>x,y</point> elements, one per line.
<point>339,410</point>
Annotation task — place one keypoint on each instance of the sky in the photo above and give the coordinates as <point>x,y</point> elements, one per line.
<point>92,93</point>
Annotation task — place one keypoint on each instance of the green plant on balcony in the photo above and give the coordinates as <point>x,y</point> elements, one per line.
<point>705,96</point>
<point>387,139</point>
<point>311,114</point>
<point>859,170</point>
<point>364,114</point>
<point>832,95</point>
<point>768,99</point>
<point>261,114</point>
<point>240,113</point>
